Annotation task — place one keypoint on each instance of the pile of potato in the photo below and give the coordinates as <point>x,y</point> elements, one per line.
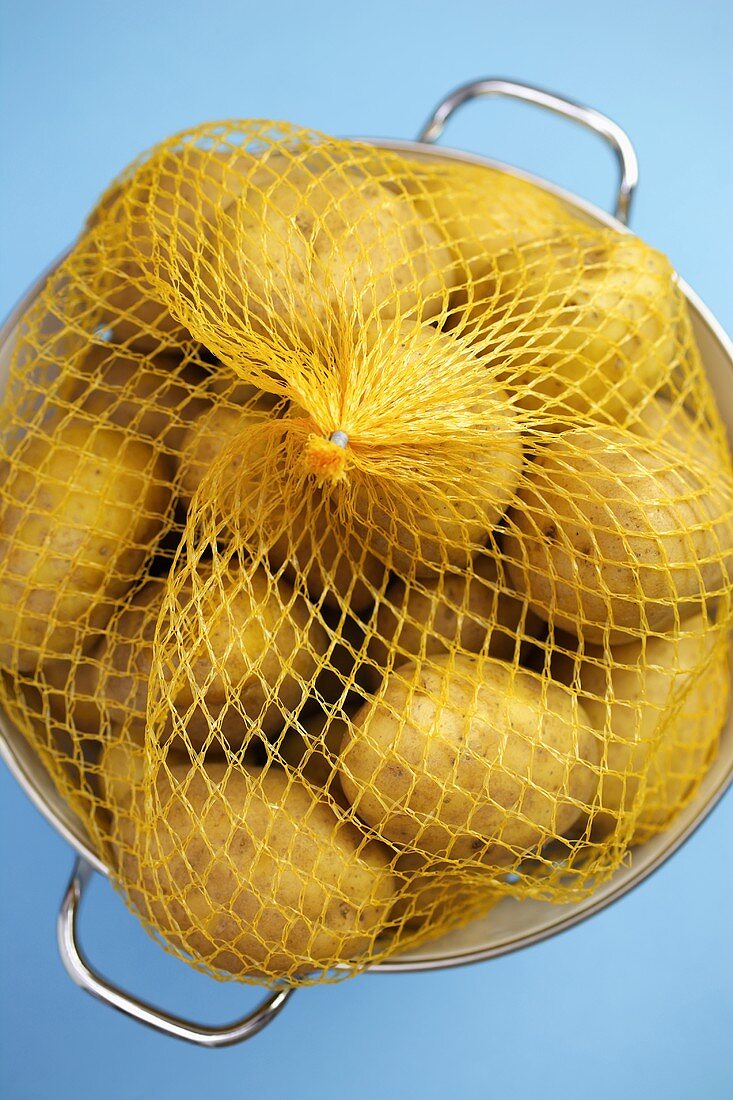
<point>348,648</point>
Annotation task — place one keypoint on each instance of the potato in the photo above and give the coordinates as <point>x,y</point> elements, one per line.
<point>475,613</point>
<point>433,893</point>
<point>316,549</point>
<point>245,651</point>
<point>486,213</point>
<point>155,398</point>
<point>111,688</point>
<point>309,244</point>
<point>246,655</point>
<point>597,316</point>
<point>669,424</point>
<point>331,559</point>
<point>80,514</point>
<point>313,744</point>
<point>687,748</point>
<point>118,777</point>
<point>341,673</point>
<point>169,204</point>
<point>204,441</point>
<point>72,690</point>
<point>441,518</point>
<point>659,704</point>
<point>314,752</point>
<point>70,756</point>
<point>404,504</point>
<point>276,240</point>
<point>470,760</point>
<point>247,870</point>
<point>488,216</point>
<point>613,537</point>
<point>662,420</point>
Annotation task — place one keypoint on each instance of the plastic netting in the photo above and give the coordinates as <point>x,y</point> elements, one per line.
<point>365,546</point>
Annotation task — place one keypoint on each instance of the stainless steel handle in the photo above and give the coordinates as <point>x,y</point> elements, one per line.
<point>81,972</point>
<point>617,138</point>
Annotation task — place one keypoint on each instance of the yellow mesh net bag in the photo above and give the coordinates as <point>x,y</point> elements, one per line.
<point>365,547</point>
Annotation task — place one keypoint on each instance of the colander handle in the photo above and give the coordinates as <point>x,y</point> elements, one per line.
<point>617,138</point>
<point>88,979</point>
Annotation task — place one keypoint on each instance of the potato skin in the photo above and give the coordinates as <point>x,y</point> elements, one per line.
<point>155,398</point>
<point>492,220</point>
<point>204,440</point>
<point>486,213</point>
<point>597,315</point>
<point>173,198</point>
<point>119,675</point>
<point>310,243</point>
<point>314,752</point>
<point>81,512</point>
<point>259,649</point>
<point>687,748</point>
<point>331,559</point>
<point>659,704</point>
<point>435,893</point>
<point>246,869</point>
<point>414,523</point>
<point>613,537</point>
<point>317,548</point>
<point>288,242</point>
<point>72,691</point>
<point>690,439</point>
<point>449,610</point>
<point>265,641</point>
<point>467,759</point>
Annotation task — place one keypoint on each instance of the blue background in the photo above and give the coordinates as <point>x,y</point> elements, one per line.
<point>637,1002</point>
